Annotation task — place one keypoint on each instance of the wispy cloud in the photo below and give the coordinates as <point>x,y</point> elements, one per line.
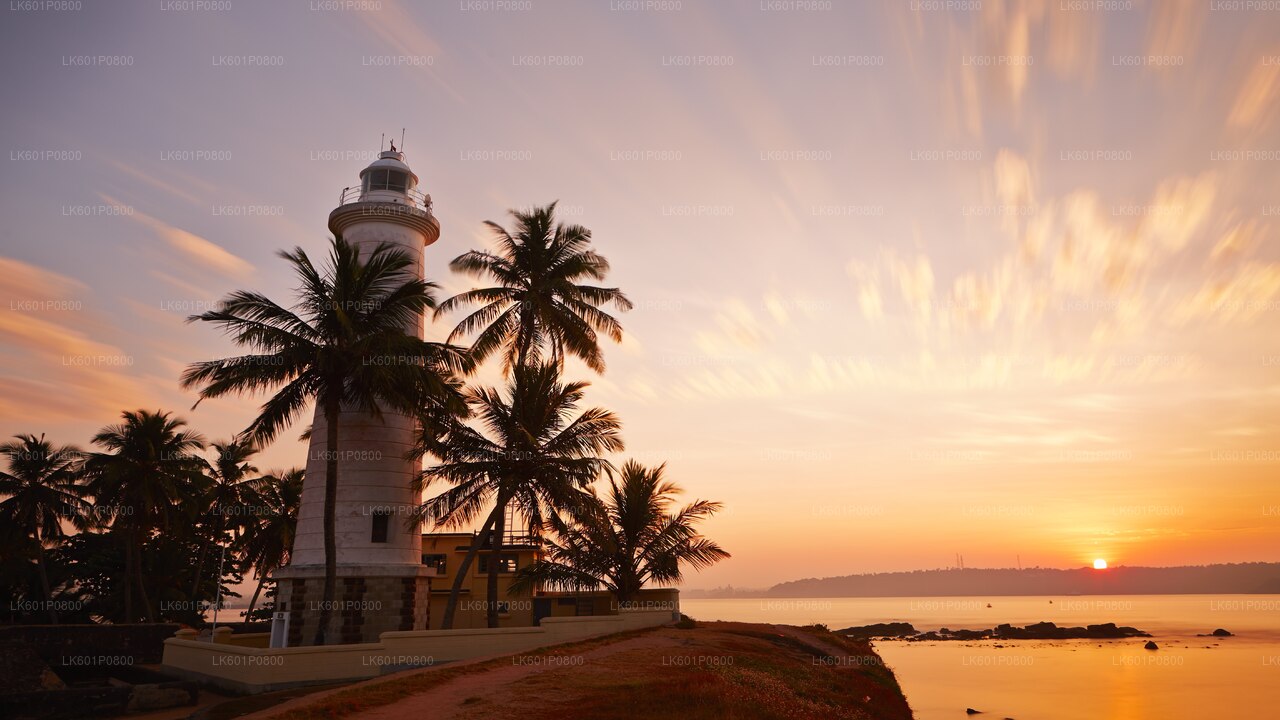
<point>205,253</point>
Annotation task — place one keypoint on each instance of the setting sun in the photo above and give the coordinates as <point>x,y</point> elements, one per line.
<point>1099,564</point>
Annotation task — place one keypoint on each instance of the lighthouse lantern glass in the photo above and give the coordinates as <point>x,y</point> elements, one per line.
<point>385,179</point>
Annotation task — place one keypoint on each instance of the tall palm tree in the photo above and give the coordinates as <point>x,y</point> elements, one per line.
<point>329,348</point>
<point>232,475</point>
<point>152,477</point>
<point>630,538</point>
<point>268,539</point>
<point>42,488</point>
<point>538,308</point>
<point>529,450</point>
<point>538,304</point>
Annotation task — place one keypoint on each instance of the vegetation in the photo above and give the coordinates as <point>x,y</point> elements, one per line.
<point>268,542</point>
<point>539,307</point>
<point>533,453</point>
<point>42,488</point>
<point>154,508</point>
<point>151,474</point>
<point>144,509</point>
<point>624,541</point>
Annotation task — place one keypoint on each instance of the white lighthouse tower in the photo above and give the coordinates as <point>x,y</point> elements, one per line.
<point>382,584</point>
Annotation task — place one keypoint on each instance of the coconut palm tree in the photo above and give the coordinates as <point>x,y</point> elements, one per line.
<point>529,449</point>
<point>629,538</point>
<point>152,477</point>
<point>232,475</point>
<point>330,348</point>
<point>41,489</point>
<point>268,538</point>
<point>537,304</point>
<point>538,307</point>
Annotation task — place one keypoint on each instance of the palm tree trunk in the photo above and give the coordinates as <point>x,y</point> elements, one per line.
<point>195,583</point>
<point>330,518</point>
<point>491,607</point>
<point>44,580</point>
<point>142,585</point>
<point>451,607</point>
<point>128,579</point>
<point>262,578</point>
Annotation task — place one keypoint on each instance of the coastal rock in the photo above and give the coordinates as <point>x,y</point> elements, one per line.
<point>971,711</point>
<point>1220,633</point>
<point>1036,631</point>
<point>1151,645</point>
<point>893,629</point>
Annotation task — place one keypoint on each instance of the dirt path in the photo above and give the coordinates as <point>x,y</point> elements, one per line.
<point>709,672</point>
<point>449,699</point>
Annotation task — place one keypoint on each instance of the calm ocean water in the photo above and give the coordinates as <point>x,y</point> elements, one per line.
<point>1188,677</point>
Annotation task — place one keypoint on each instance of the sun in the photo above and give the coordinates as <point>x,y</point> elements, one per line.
<point>1099,564</point>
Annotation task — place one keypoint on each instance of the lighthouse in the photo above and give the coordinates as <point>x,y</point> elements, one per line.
<point>382,584</point>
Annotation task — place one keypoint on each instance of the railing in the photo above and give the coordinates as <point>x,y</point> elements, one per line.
<point>412,198</point>
<point>510,538</point>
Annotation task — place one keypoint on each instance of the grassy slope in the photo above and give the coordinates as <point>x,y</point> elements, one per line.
<point>716,670</point>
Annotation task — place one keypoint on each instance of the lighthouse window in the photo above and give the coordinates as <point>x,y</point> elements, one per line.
<point>384,179</point>
<point>381,521</point>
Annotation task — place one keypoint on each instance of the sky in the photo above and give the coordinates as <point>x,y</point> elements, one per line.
<point>911,279</point>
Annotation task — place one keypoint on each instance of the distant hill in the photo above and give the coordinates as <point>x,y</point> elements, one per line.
<point>1234,578</point>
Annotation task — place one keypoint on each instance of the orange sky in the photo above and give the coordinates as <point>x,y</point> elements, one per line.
<point>909,283</point>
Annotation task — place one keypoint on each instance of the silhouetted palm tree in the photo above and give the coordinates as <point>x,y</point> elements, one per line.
<point>538,308</point>
<point>529,449</point>
<point>537,303</point>
<point>331,348</point>
<point>232,476</point>
<point>268,540</point>
<point>42,489</point>
<point>629,538</point>
<point>152,477</point>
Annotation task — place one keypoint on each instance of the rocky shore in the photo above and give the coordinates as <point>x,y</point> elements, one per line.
<point>1035,631</point>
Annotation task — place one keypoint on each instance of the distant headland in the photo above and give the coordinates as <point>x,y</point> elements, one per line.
<point>1230,578</point>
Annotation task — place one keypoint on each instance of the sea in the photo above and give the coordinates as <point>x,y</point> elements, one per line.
<point>1190,676</point>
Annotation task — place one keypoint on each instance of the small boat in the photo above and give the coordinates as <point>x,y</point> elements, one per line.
<point>988,604</point>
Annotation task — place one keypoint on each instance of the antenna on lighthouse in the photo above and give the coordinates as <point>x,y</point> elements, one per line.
<point>401,139</point>
<point>383,142</point>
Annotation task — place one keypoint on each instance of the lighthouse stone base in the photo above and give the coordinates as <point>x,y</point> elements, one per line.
<point>368,600</point>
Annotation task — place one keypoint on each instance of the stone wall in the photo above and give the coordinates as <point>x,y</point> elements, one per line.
<point>363,607</point>
<point>255,670</point>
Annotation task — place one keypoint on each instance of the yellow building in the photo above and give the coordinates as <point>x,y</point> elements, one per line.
<point>444,553</point>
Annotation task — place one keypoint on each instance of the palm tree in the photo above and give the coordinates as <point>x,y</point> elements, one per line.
<point>43,488</point>
<point>231,484</point>
<point>152,477</point>
<point>330,348</point>
<point>538,308</point>
<point>529,450</point>
<point>538,303</point>
<point>268,539</point>
<point>626,540</point>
